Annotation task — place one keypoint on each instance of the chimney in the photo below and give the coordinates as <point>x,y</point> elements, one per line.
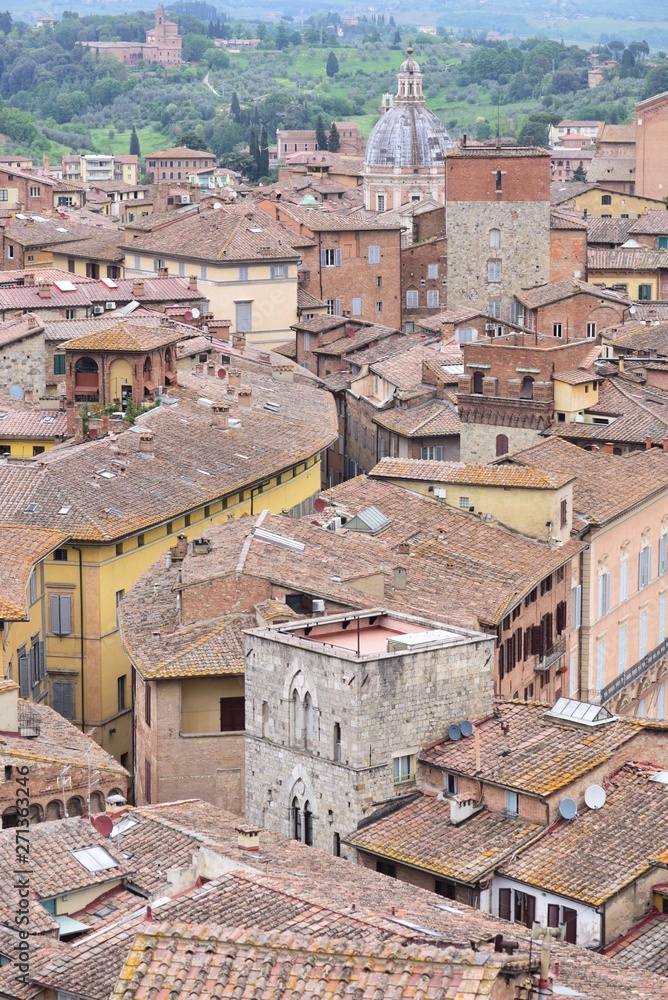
<point>163,272</point>
<point>192,283</point>
<point>399,578</point>
<point>9,706</point>
<point>146,443</point>
<point>238,340</point>
<point>403,548</point>
<point>219,328</point>
<point>665,444</point>
<point>211,368</point>
<point>462,807</point>
<point>609,448</point>
<point>137,288</point>
<point>44,291</point>
<point>283,373</point>
<point>201,546</point>
<point>248,838</point>
<point>464,140</point>
<point>29,280</point>
<point>595,448</point>
<point>180,550</point>
<point>46,163</point>
<point>621,364</point>
<point>220,415</point>
<point>648,443</point>
<point>234,377</point>
<point>244,397</point>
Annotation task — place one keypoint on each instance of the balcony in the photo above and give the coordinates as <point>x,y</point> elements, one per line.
<point>554,653</point>
<point>635,672</point>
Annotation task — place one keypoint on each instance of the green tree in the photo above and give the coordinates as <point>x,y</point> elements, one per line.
<point>396,37</point>
<point>334,142</point>
<point>254,150</point>
<point>134,143</point>
<point>332,65</point>
<point>657,80</point>
<point>264,153</point>
<point>235,108</point>
<point>579,174</point>
<point>320,134</point>
<point>191,139</point>
<point>483,131</point>
<point>217,59</point>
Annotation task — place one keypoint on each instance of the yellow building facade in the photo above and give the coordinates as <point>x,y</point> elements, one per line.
<point>601,203</point>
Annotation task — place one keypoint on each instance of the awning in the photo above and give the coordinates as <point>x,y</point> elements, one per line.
<point>69,926</point>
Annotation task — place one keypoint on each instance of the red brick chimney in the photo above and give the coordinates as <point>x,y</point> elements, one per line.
<point>648,443</point>
<point>239,341</point>
<point>244,397</point>
<point>220,415</point>
<point>665,444</point>
<point>180,550</point>
<point>29,280</point>
<point>609,448</point>
<point>137,288</point>
<point>234,377</point>
<point>163,272</point>
<point>192,283</point>
<point>146,443</point>
<point>44,291</point>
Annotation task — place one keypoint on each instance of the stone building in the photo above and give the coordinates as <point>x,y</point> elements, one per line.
<point>291,141</point>
<point>337,708</point>
<point>162,46</point>
<point>406,151</point>
<point>498,216</point>
<point>423,279</point>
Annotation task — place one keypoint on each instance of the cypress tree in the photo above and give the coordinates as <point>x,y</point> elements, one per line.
<point>320,134</point>
<point>332,65</point>
<point>134,143</point>
<point>334,143</point>
<point>254,150</point>
<point>235,107</point>
<point>264,153</point>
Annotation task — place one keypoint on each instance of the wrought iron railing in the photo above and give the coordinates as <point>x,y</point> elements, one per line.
<point>553,654</point>
<point>635,672</point>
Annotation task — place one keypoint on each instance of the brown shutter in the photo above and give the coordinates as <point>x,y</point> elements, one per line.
<point>536,639</point>
<point>530,910</point>
<point>571,921</point>
<point>552,915</point>
<point>527,643</point>
<point>501,661</point>
<point>504,904</point>
<point>549,642</point>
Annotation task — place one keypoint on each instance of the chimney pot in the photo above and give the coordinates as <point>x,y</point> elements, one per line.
<point>220,415</point>
<point>29,280</point>
<point>137,288</point>
<point>244,397</point>
<point>180,550</point>
<point>248,837</point>
<point>234,377</point>
<point>648,442</point>
<point>192,283</point>
<point>146,443</point>
<point>609,448</point>
<point>163,272</point>
<point>665,444</point>
<point>44,291</point>
<point>595,447</point>
<point>239,340</point>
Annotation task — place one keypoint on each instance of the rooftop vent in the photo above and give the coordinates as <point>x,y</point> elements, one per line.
<point>201,546</point>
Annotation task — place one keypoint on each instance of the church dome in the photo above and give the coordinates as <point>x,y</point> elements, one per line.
<point>408,134</point>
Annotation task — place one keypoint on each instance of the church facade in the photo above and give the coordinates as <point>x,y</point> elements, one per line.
<point>162,46</point>
<point>405,155</point>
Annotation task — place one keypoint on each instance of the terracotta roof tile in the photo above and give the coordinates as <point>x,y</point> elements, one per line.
<point>462,472</point>
<point>124,337</point>
<point>555,291</point>
<point>21,548</point>
<point>626,260</point>
<point>422,835</point>
<point>431,419</point>
<point>545,755</point>
<point>575,859</point>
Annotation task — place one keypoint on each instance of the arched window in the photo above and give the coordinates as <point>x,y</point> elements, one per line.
<point>86,365</point>
<point>526,392</point>
<point>148,368</point>
<point>54,810</point>
<point>10,818</point>
<point>168,358</point>
<point>308,824</point>
<point>297,721</point>
<point>97,803</point>
<point>75,806</point>
<point>501,445</point>
<point>36,814</point>
<point>308,720</point>
<point>296,820</point>
<point>477,383</point>
<point>495,238</point>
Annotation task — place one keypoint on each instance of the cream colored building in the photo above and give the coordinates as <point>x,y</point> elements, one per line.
<point>245,263</point>
<point>532,502</point>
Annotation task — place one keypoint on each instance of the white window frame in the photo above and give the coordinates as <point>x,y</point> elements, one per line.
<point>433,298</point>
<point>412,298</point>
<point>403,768</point>
<point>374,255</point>
<point>432,271</point>
<point>356,306</point>
<point>494,271</point>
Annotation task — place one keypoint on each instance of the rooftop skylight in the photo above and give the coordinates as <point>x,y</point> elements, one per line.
<point>580,711</point>
<point>94,859</point>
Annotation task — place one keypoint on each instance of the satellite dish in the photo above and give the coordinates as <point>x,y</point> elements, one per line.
<point>568,809</point>
<point>595,797</point>
<point>319,504</point>
<point>103,824</point>
<point>454,732</point>
<point>195,313</point>
<point>466,728</point>
<point>188,315</point>
<point>222,373</point>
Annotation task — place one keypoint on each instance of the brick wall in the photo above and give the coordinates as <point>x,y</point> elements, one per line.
<point>356,278</point>
<point>568,254</point>
<point>47,798</point>
<point>415,262</point>
<point>574,313</point>
<point>651,121</point>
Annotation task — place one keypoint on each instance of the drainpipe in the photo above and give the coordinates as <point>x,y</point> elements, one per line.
<point>81,639</point>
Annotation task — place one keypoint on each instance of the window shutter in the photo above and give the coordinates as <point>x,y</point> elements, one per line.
<point>601,591</point>
<point>648,564</point>
<point>552,915</point>
<point>530,910</point>
<point>560,626</point>
<point>662,555</point>
<point>606,595</point>
<point>65,602</point>
<point>527,643</point>
<point>24,675</point>
<point>504,904</point>
<point>61,699</point>
<point>536,639</point>
<point>357,307</point>
<point>323,258</point>
<point>510,659</point>
<point>576,606</point>
<point>33,666</point>
<point>42,659</point>
<point>501,660</point>
<point>571,921</point>
<point>641,563</point>
<point>54,603</point>
<point>337,257</point>
<point>337,307</point>
<point>549,618</point>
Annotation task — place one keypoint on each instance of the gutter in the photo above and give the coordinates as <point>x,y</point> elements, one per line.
<point>81,639</point>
